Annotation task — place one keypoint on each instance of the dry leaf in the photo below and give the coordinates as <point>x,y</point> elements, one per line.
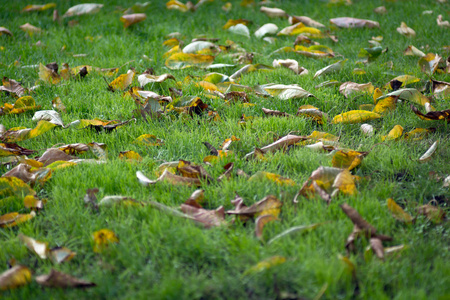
<point>282,143</point>
<point>300,28</point>
<point>53,154</point>
<point>377,247</point>
<point>129,20</point>
<point>58,279</point>
<point>185,60</point>
<point>177,5</point>
<point>398,212</point>
<point>433,213</point>
<point>122,82</point>
<point>273,12</point>
<point>12,86</point>
<point>37,247</point>
<point>429,63</point>
<point>442,23</point>
<point>270,205</point>
<point>169,177</point>
<point>49,75</point>
<point>24,172</point>
<point>4,30</point>
<point>427,155</point>
<point>278,179</point>
<point>34,7</point>
<point>355,116</point>
<point>23,104</point>
<point>81,9</point>
<point>311,112</point>
<point>286,92</point>
<point>380,10</point>
<point>348,88</point>
<point>394,134</point>
<point>48,115</point>
<point>305,20</point>
<point>432,115</point>
<point>103,238</point>
<point>266,29</point>
<point>209,218</point>
<point>348,159</point>
<point>145,79</point>
<point>240,29</point>
<point>15,277</point>
<point>290,64</point>
<point>14,219</point>
<point>60,254</point>
<point>30,29</point>
<point>411,50</point>
<point>346,22</point>
<point>405,30</point>
<point>232,22</point>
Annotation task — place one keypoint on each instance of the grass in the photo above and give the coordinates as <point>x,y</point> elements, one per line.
<point>163,257</point>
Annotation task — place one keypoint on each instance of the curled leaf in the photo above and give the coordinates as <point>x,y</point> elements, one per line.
<point>398,212</point>
<point>15,277</point>
<point>58,279</point>
<point>355,116</point>
<point>129,20</point>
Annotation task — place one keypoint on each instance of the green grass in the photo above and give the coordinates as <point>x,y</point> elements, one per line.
<point>164,257</point>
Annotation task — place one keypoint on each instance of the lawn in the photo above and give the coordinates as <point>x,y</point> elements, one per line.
<point>158,251</point>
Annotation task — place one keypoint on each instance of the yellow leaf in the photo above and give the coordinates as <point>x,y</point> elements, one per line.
<point>186,60</point>
<point>345,183</point>
<point>130,155</point>
<point>171,42</point>
<point>149,140</point>
<point>347,159</point>
<point>207,86</point>
<point>272,177</point>
<point>266,264</point>
<point>103,238</point>
<point>398,212</point>
<point>13,186</point>
<point>173,50</point>
<point>14,218</point>
<point>34,7</point>
<point>417,134</point>
<point>323,136</point>
<point>173,4</point>
<point>60,164</point>
<point>123,81</point>
<point>355,116</point>
<point>12,136</point>
<point>31,202</point>
<point>48,75</point>
<point>231,23</point>
<point>385,105</point>
<point>394,134</point>
<point>15,277</point>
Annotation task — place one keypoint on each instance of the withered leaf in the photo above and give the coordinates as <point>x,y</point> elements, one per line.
<point>269,205</point>
<point>377,247</point>
<point>52,155</point>
<point>57,279</point>
<point>346,22</point>
<point>432,115</point>
<point>260,222</point>
<point>209,218</point>
<point>15,277</point>
<point>275,113</point>
<point>12,86</point>
<point>169,177</point>
<point>398,212</point>
<point>296,229</point>
<point>433,213</point>
<point>24,172</point>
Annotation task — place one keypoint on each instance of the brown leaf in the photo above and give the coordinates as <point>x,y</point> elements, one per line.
<point>282,143</point>
<point>405,30</point>
<point>275,113</point>
<point>52,155</point>
<point>58,279</point>
<point>273,12</point>
<point>12,86</point>
<point>209,218</point>
<point>129,20</point>
<point>305,20</point>
<point>347,22</point>
<point>187,169</point>
<point>15,277</point>
<point>237,97</point>
<point>269,205</point>
<point>4,30</point>
<point>169,177</point>
<point>433,213</point>
<point>37,247</point>
<point>10,149</point>
<point>260,222</point>
<point>14,218</point>
<point>23,171</point>
<point>228,169</point>
<point>358,220</point>
<point>377,247</point>
<point>432,115</point>
<point>348,88</point>
<point>110,127</point>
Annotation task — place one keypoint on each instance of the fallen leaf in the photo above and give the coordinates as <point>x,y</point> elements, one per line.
<point>53,154</point>
<point>355,116</point>
<point>58,279</point>
<point>313,113</point>
<point>103,238</point>
<point>130,155</point>
<point>145,79</point>
<point>347,22</point>
<point>333,68</point>
<point>411,50</point>
<point>398,212</point>
<point>282,143</point>
<point>49,75</point>
<point>380,10</point>
<point>177,5</point>
<point>25,172</point>
<point>432,115</point>
<point>377,247</point>
<point>186,60</point>
<point>30,29</point>
<point>348,88</point>
<point>4,30</point>
<point>405,30</point>
<point>48,115</point>
<point>270,205</point>
<point>60,254</point>
<point>169,177</point>
<point>14,219</point>
<point>12,86</point>
<point>280,180</point>
<point>385,105</point>
<point>266,29</point>
<point>23,104</point>
<point>348,159</point>
<point>58,104</point>
<point>273,12</point>
<point>290,64</point>
<point>209,218</point>
<point>300,28</point>
<point>34,7</point>
<point>433,213</point>
<point>305,20</point>
<point>129,20</point>
<point>240,29</point>
<point>429,63</point>
<point>14,187</point>
<point>37,247</point>
<point>15,277</point>
<point>232,22</point>
<point>286,92</point>
<point>428,155</point>
<point>122,82</point>
<point>442,23</point>
<point>275,113</point>
<point>82,9</point>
